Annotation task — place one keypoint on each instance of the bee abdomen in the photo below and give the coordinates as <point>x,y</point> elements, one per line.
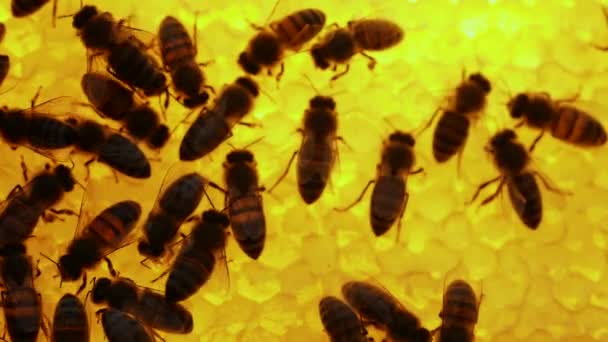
<point>134,67</point>
<point>22,312</point>
<point>248,224</point>
<point>578,128</point>
<point>202,137</point>
<point>122,327</point>
<point>189,273</point>
<point>183,196</point>
<point>176,45</point>
<point>387,201</point>
<point>70,323</point>
<point>23,8</point>
<point>526,199</point>
<point>460,304</point>
<point>299,27</point>
<point>45,132</point>
<point>450,136</point>
<point>116,222</point>
<point>376,34</point>
<point>340,321</point>
<point>123,155</point>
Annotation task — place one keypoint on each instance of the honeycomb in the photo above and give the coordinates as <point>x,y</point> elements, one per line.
<point>544,285</point>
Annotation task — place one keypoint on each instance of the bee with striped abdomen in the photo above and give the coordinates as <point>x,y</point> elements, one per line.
<point>26,205</point>
<point>381,309</point>
<point>390,196</point>
<point>70,322</point>
<point>178,52</point>
<point>105,233</point>
<point>464,107</point>
<point>214,125</point>
<point>318,151</point>
<point>110,148</point>
<point>513,161</point>
<point>197,258</point>
<point>119,326</point>
<point>267,48</point>
<point>459,313</point>
<point>117,102</point>
<point>175,203</point>
<point>149,307</point>
<point>244,202</point>
<point>565,122</point>
<point>341,44</point>
<point>340,321</point>
<point>21,303</point>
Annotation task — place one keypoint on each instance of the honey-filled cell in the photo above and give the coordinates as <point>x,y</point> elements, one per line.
<point>540,284</point>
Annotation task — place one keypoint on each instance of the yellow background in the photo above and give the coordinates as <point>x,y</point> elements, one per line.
<point>548,285</point>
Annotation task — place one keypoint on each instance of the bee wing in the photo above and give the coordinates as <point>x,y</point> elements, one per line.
<point>175,171</point>
<point>388,294</point>
<point>218,286</point>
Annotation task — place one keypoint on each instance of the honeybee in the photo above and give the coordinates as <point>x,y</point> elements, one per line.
<point>125,54</point>
<point>149,307</point>
<point>464,107</point>
<point>512,160</point>
<point>381,309</point>
<point>565,122</point>
<point>2,31</point>
<point>213,126</point>
<point>178,52</point>
<point>22,304</point>
<point>117,102</point>
<point>317,153</point>
<point>110,148</point>
<point>244,202</point>
<point>197,257</point>
<point>390,196</point>
<point>5,65</point>
<point>36,128</point>
<point>267,48</point>
<point>340,321</point>
<point>341,44</point>
<point>122,327</point>
<point>459,313</point>
<point>105,233</point>
<point>25,205</point>
<point>174,205</point>
<point>70,322</point>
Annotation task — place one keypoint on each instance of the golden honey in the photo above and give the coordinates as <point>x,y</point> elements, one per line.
<point>544,285</point>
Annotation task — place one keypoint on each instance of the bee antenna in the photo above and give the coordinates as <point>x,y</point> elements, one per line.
<point>311,84</point>
<point>231,146</point>
<point>252,143</point>
<point>274,8</point>
<point>9,89</point>
<point>49,259</point>
<point>267,95</point>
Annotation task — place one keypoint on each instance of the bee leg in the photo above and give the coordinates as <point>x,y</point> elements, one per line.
<point>44,322</point>
<point>160,276</point>
<point>24,169</point>
<point>359,198</point>
<point>495,194</point>
<point>63,212</point>
<point>284,174</point>
<point>207,195</point>
<point>54,12</point>
<point>533,146</point>
<point>50,217</point>
<point>248,124</point>
<point>280,74</point>
<point>113,272</point>
<point>338,75</point>
<point>38,271</point>
<point>482,186</point>
<point>211,89</point>
<point>429,122</point>
<point>407,198</point>
<point>417,171</point>
<point>372,61</point>
<point>550,186</point>
<point>35,98</point>
<point>87,166</point>
<point>83,285</point>
<point>15,190</point>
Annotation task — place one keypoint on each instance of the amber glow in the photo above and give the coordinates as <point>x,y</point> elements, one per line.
<point>548,285</point>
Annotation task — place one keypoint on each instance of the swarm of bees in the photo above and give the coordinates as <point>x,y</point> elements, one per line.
<point>133,72</point>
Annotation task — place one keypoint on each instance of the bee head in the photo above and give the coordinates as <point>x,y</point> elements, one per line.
<point>101,290</point>
<point>518,105</point>
<point>502,138</point>
<point>159,137</point>
<point>64,174</point>
<point>214,216</point>
<point>152,251</point>
<point>248,65</point>
<point>83,16</point>
<point>248,84</point>
<point>69,267</point>
<point>237,156</point>
<point>265,48</point>
<point>322,102</point>
<point>402,137</point>
<point>318,55</point>
<point>423,335</point>
<point>481,81</point>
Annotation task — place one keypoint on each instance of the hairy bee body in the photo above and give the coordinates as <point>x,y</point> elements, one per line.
<point>122,327</point>
<point>23,8</point>
<point>124,156</point>
<point>175,204</point>
<point>526,198</point>
<point>459,312</point>
<point>388,199</point>
<point>106,232</point>
<point>375,34</point>
<point>197,257</point>
<point>340,321</point>
<point>298,28</point>
<point>70,322</point>
<point>38,130</point>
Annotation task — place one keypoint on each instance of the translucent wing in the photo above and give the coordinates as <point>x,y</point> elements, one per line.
<point>217,288</point>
